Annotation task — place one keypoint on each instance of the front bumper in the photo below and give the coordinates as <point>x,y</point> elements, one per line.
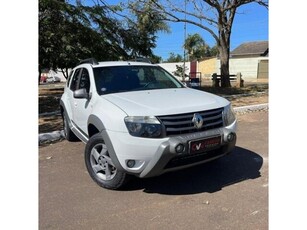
<point>153,157</point>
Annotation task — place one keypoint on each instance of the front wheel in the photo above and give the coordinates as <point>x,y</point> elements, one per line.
<point>100,165</point>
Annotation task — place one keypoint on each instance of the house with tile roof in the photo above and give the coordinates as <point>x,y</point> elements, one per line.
<point>251,59</point>
<point>251,49</point>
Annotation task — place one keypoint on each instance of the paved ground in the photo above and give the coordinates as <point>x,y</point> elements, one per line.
<point>231,193</point>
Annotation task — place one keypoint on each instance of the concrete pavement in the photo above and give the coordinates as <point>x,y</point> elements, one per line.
<point>230,193</point>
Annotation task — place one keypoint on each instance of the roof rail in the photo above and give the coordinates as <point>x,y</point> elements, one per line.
<point>141,59</point>
<point>92,61</point>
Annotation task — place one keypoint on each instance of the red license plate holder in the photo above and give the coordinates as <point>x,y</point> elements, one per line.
<point>203,145</point>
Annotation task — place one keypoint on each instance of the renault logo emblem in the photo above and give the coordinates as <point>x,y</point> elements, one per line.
<point>197,120</point>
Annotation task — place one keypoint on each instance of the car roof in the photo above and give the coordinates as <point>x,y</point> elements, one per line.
<point>117,63</point>
<point>121,63</point>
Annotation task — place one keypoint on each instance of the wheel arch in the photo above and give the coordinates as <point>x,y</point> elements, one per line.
<point>69,133</point>
<point>62,106</point>
<point>94,125</point>
<point>64,110</point>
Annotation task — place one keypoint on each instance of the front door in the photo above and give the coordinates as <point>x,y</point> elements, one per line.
<point>82,106</point>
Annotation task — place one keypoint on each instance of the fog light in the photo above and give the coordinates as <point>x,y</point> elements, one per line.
<point>130,163</point>
<point>179,148</point>
<point>230,137</point>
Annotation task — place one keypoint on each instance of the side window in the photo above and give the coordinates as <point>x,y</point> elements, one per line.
<point>85,80</point>
<point>75,80</point>
<point>69,78</point>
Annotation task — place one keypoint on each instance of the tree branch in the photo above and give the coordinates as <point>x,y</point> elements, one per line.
<point>176,19</point>
<point>237,3</point>
<point>172,18</point>
<point>198,16</point>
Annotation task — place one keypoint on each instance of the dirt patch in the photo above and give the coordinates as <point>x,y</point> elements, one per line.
<point>51,89</point>
<point>249,100</point>
<point>50,123</point>
<point>250,119</point>
<point>48,104</point>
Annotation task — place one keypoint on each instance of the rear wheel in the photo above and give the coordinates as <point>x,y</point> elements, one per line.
<point>100,165</point>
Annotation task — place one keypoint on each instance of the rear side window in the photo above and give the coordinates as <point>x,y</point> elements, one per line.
<point>85,80</point>
<point>75,80</point>
<point>69,78</point>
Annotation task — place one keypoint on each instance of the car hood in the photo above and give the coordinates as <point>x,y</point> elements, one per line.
<point>165,101</point>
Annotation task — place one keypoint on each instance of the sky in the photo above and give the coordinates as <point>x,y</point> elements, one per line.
<point>250,24</point>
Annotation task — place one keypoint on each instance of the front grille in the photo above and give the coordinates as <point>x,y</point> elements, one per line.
<point>190,159</point>
<point>182,123</point>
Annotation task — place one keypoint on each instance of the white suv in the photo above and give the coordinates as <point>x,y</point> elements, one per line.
<point>138,119</point>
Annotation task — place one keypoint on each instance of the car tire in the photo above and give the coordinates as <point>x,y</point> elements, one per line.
<point>69,135</point>
<point>100,165</point>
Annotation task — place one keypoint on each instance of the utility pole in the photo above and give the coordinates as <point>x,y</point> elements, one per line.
<point>185,37</point>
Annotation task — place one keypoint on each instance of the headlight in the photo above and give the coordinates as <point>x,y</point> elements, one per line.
<point>143,126</point>
<point>228,115</point>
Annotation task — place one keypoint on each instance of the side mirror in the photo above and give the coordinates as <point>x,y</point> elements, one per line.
<point>81,93</point>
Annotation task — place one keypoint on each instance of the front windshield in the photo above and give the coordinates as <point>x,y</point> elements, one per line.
<point>116,79</point>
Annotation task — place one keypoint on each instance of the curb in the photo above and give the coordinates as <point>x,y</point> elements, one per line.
<point>45,138</point>
<point>58,112</point>
<point>251,108</point>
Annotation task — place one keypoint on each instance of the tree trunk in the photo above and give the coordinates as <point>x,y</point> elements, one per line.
<point>224,58</point>
<point>65,72</point>
<point>39,74</point>
<point>224,51</point>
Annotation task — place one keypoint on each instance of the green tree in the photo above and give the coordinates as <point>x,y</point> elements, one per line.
<point>214,17</point>
<point>67,35</point>
<point>144,26</point>
<point>174,58</point>
<point>180,72</point>
<point>50,18</point>
<point>196,47</point>
<point>214,51</point>
<point>155,59</point>
<point>69,32</point>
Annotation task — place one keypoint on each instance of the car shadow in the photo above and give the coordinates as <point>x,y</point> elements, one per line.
<point>242,164</point>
